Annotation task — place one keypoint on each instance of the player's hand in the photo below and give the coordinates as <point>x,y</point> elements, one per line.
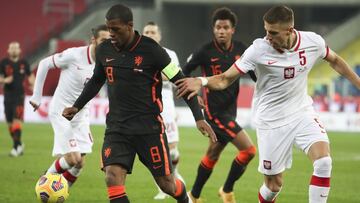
<point>34,105</point>
<point>70,112</point>
<point>201,102</point>
<point>206,130</point>
<point>188,85</point>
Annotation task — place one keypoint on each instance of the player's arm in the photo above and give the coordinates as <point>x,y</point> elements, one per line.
<point>191,86</point>
<point>343,68</point>
<point>174,74</point>
<point>90,90</point>
<point>3,79</point>
<point>44,66</point>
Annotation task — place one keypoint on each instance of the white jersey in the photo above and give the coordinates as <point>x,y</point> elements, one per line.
<point>167,88</point>
<point>76,67</point>
<point>281,89</point>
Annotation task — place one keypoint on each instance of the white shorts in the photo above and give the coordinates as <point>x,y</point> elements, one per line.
<point>171,128</point>
<point>71,136</point>
<point>275,145</point>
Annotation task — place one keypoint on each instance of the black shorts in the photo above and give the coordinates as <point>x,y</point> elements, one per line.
<point>225,128</point>
<point>152,150</point>
<point>14,108</point>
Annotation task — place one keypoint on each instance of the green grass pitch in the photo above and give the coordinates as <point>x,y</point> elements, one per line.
<point>19,175</point>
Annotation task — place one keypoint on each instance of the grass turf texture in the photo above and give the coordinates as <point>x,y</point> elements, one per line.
<point>19,175</point>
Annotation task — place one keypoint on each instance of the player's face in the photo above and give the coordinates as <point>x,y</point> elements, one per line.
<point>14,50</point>
<point>153,32</point>
<point>120,32</point>
<point>223,31</point>
<point>278,34</point>
<point>102,36</point>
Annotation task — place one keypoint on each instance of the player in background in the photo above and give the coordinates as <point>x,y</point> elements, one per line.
<point>153,31</point>
<point>214,58</point>
<point>72,139</point>
<point>13,72</point>
<point>282,109</point>
<point>131,64</point>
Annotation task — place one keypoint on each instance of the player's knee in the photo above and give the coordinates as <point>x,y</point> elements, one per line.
<point>167,184</point>
<point>245,156</point>
<point>174,154</point>
<point>274,182</point>
<point>208,162</point>
<point>110,178</point>
<point>323,166</point>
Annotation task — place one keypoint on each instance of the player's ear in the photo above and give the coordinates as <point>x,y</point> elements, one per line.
<point>92,40</point>
<point>130,25</point>
<point>291,30</point>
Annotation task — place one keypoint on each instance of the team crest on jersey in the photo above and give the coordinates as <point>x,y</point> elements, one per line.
<point>107,152</point>
<point>72,142</point>
<point>267,164</point>
<point>138,60</point>
<point>289,72</point>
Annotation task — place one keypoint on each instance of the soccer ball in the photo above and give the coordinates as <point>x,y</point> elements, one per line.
<point>52,188</point>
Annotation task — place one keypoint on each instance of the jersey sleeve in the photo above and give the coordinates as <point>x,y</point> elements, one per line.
<point>247,62</point>
<point>63,59</point>
<point>193,61</point>
<point>161,57</point>
<point>323,49</point>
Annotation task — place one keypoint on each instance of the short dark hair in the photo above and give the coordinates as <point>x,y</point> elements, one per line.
<point>151,23</point>
<point>121,12</point>
<point>279,14</point>
<point>224,13</point>
<point>95,31</point>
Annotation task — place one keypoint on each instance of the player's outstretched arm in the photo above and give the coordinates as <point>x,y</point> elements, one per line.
<point>173,73</point>
<point>340,66</point>
<point>191,86</point>
<point>90,90</point>
<point>44,66</point>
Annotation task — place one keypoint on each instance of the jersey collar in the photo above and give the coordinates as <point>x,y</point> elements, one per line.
<point>221,50</point>
<point>298,41</point>
<point>132,45</point>
<point>88,51</point>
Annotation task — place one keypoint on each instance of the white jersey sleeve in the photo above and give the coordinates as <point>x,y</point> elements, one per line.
<point>63,59</point>
<point>323,49</point>
<point>248,60</point>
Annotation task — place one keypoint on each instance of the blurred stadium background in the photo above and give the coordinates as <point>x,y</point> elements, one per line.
<point>44,27</point>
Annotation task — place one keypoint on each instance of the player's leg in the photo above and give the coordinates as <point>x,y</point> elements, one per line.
<point>76,162</point>
<point>275,155</point>
<point>115,182</point>
<point>153,152</point>
<point>80,145</point>
<point>17,125</point>
<point>271,188</point>
<point>313,140</point>
<point>319,188</point>
<point>9,108</point>
<point>172,134</point>
<point>117,157</point>
<point>206,167</point>
<point>246,153</point>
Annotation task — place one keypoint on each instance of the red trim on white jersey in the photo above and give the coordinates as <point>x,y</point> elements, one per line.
<point>238,68</point>
<point>327,52</point>
<point>298,41</point>
<point>53,60</point>
<point>88,54</point>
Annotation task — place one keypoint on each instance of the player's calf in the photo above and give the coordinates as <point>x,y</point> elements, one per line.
<point>320,181</point>
<point>238,167</point>
<point>117,194</point>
